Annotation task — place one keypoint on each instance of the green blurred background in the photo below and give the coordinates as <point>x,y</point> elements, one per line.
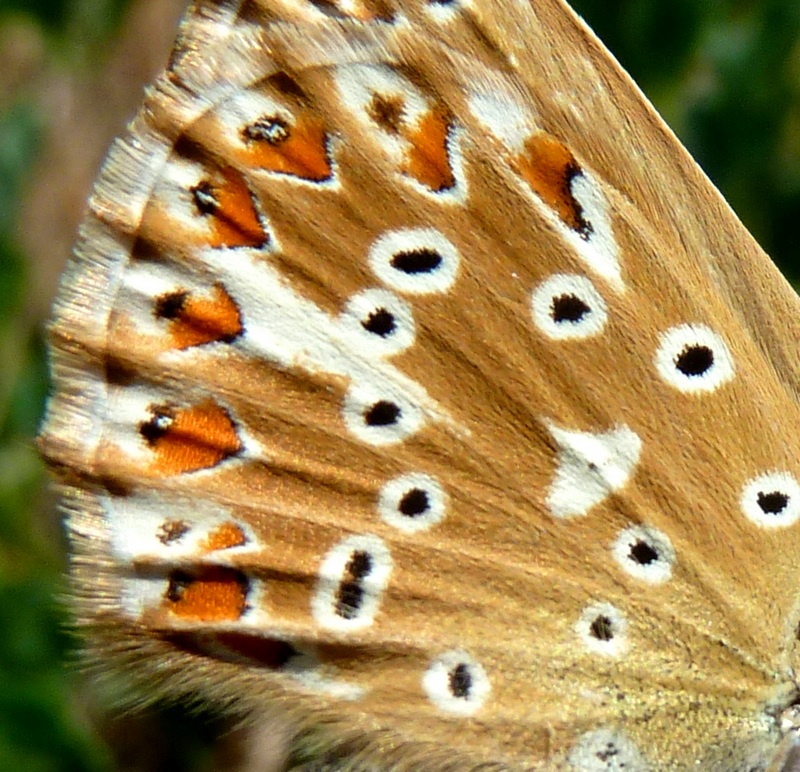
<point>725,74</point>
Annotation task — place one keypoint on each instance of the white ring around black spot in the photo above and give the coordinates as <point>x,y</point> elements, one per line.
<point>567,306</point>
<point>380,418</point>
<point>412,502</point>
<point>772,500</point>
<point>456,683</point>
<point>382,323</point>
<point>351,579</point>
<point>606,750</point>
<point>693,358</point>
<point>603,629</point>
<point>645,553</point>
<point>417,261</point>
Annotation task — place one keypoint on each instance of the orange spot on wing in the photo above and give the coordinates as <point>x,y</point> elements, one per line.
<point>549,167</point>
<point>189,439</point>
<point>228,204</point>
<point>428,161</point>
<point>214,594</point>
<point>224,537</point>
<point>195,320</point>
<point>300,149</point>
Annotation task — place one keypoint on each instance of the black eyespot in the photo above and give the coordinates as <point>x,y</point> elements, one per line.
<point>205,198</point>
<point>569,308</point>
<point>602,628</point>
<point>380,322</point>
<point>695,360</point>
<point>643,553</point>
<point>414,503</point>
<point>179,582</point>
<point>350,596</point>
<point>154,429</point>
<point>416,261</point>
<point>456,683</point>
<point>460,681</point>
<point>772,500</point>
<point>171,305</point>
<point>382,413</point>
<point>772,503</point>
<point>646,553</point>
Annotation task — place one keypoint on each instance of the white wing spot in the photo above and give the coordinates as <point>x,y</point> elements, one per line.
<point>351,580</point>
<point>503,115</point>
<point>568,306</point>
<point>380,322</point>
<point>590,467</point>
<point>417,261</point>
<point>456,683</point>
<point>412,502</point>
<point>693,358</point>
<point>306,670</point>
<point>380,418</point>
<point>606,750</point>
<point>772,500</point>
<point>645,553</point>
<point>603,629</point>
<point>599,250</point>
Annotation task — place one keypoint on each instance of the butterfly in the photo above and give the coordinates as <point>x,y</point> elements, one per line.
<point>413,384</point>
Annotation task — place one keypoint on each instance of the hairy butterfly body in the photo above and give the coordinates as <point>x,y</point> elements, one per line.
<point>412,383</point>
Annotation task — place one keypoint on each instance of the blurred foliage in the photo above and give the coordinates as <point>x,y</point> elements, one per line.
<point>725,74</point>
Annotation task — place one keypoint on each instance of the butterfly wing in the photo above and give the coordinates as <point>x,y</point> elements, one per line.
<point>413,381</point>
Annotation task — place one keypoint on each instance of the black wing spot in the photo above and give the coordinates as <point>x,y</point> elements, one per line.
<point>773,503</point>
<point>158,425</point>
<point>643,553</point>
<point>417,261</point>
<point>414,503</point>
<point>695,360</point>
<point>602,628</point>
<point>171,305</point>
<point>380,322</point>
<point>459,681</point>
<point>205,198</point>
<point>350,595</point>
<point>569,308</point>
<point>382,413</point>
